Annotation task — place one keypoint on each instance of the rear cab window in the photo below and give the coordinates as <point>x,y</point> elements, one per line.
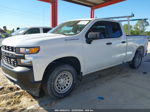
<point>116,30</point>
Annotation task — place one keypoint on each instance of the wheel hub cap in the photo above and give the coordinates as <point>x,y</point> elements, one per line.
<point>63,82</point>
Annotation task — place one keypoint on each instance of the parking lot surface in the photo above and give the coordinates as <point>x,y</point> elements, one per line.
<point>119,87</point>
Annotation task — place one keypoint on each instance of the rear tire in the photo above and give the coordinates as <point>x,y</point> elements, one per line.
<point>60,82</point>
<point>137,60</point>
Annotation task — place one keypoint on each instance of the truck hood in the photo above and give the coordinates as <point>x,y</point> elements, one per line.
<point>25,40</point>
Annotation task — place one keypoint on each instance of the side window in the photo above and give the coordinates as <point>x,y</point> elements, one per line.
<point>33,31</point>
<point>101,27</point>
<point>116,30</point>
<point>45,30</point>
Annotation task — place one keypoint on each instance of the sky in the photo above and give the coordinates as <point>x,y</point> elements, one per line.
<point>26,13</point>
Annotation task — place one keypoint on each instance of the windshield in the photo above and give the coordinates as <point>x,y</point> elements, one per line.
<point>20,31</point>
<point>70,28</point>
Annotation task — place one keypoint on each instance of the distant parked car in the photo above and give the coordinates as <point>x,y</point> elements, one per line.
<point>31,30</point>
<point>23,31</point>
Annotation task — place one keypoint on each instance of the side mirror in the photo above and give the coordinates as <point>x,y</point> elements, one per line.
<point>93,36</point>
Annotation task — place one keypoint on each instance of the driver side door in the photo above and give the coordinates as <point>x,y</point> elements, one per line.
<point>98,54</point>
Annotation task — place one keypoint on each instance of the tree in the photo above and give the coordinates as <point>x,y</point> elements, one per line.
<point>135,32</point>
<point>126,28</point>
<point>147,33</point>
<point>138,29</point>
<point>140,26</point>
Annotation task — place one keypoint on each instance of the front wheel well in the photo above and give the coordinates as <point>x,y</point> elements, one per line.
<point>73,61</point>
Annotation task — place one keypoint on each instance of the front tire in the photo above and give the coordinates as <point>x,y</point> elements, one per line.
<point>137,60</point>
<point>61,81</point>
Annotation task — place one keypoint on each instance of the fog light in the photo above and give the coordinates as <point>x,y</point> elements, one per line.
<point>25,62</point>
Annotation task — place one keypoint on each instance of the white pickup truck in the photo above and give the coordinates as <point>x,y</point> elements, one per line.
<point>54,62</point>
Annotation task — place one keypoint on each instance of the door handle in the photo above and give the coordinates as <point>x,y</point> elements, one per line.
<point>109,43</point>
<point>123,42</point>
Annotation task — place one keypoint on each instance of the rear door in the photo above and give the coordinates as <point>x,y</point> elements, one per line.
<point>118,43</point>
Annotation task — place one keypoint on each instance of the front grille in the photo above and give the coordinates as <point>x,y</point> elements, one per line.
<point>10,61</point>
<point>9,48</point>
<point>8,56</point>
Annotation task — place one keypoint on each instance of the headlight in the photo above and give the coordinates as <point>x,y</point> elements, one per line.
<point>32,50</point>
<point>25,51</point>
